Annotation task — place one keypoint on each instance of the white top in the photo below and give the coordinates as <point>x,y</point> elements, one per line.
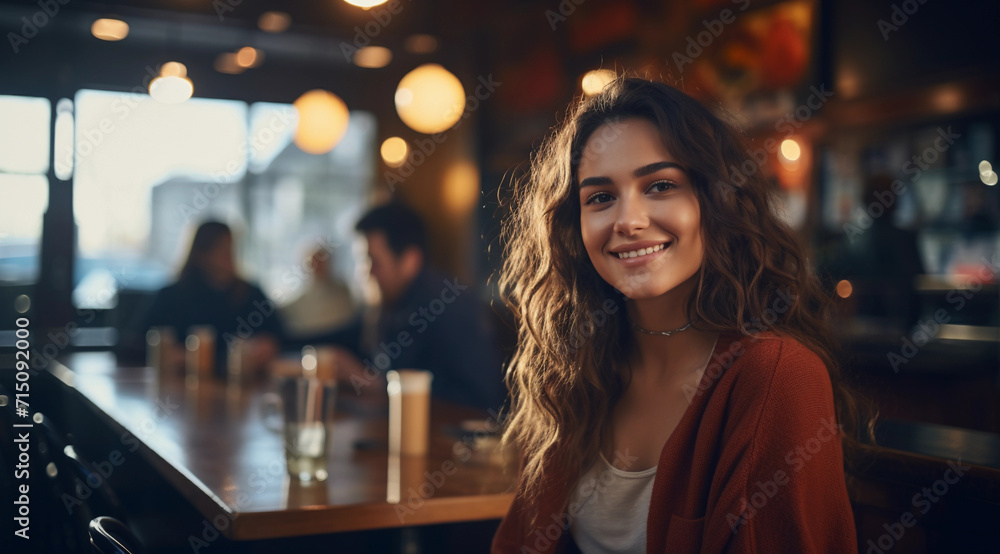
<point>608,509</point>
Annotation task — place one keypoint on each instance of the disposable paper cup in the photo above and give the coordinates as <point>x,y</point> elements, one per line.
<point>409,411</point>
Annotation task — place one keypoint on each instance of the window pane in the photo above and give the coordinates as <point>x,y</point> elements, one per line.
<point>127,145</point>
<point>24,134</point>
<point>25,198</point>
<point>147,174</point>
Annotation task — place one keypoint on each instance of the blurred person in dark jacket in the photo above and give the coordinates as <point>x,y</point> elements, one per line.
<point>208,292</point>
<point>426,320</point>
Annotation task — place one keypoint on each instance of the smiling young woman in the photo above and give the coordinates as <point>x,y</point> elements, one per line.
<point>705,412</point>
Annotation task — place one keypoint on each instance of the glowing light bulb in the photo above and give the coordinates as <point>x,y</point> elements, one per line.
<point>109,29</point>
<point>430,99</point>
<point>790,150</point>
<point>394,151</point>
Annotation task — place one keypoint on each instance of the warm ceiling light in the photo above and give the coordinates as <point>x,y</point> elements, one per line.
<point>594,81</point>
<point>430,99</point>
<point>790,150</point>
<point>274,22</point>
<point>323,119</point>
<point>844,289</point>
<point>247,57</point>
<point>226,63</point>
<point>461,188</point>
<point>366,4</point>
<point>373,57</point>
<point>394,151</point>
<point>988,178</point>
<point>420,44</point>
<point>109,29</point>
<point>171,89</point>
<point>948,99</point>
<point>985,166</point>
<point>173,69</point>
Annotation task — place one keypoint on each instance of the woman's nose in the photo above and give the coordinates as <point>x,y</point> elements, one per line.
<point>632,216</point>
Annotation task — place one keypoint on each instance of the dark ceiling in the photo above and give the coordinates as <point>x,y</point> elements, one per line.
<point>62,56</point>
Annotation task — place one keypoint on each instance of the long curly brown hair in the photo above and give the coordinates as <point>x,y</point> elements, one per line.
<point>568,370</point>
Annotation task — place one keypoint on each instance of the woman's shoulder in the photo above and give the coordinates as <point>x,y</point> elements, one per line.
<point>776,379</point>
<point>775,363</point>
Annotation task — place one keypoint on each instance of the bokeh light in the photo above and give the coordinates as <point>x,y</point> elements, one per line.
<point>373,57</point>
<point>172,88</point>
<point>247,57</point>
<point>461,187</point>
<point>594,81</point>
<point>323,119</point>
<point>791,150</point>
<point>366,4</point>
<point>109,29</point>
<point>420,44</point>
<point>394,151</point>
<point>844,288</point>
<point>430,99</point>
<point>274,22</point>
<point>173,69</point>
<point>226,63</point>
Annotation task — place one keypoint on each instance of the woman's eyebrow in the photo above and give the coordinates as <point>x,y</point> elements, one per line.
<point>654,167</point>
<point>641,172</point>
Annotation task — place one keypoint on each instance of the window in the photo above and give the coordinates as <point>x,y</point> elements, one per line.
<point>148,173</point>
<point>24,188</point>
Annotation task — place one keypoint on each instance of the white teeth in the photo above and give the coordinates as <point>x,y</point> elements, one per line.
<point>641,251</point>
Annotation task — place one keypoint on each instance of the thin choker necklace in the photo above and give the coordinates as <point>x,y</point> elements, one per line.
<point>663,333</point>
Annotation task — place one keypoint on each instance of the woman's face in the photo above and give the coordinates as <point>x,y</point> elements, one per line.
<point>639,213</point>
<point>218,261</point>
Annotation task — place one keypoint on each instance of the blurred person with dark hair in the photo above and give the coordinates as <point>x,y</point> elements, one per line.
<point>209,292</point>
<point>325,303</point>
<point>426,320</point>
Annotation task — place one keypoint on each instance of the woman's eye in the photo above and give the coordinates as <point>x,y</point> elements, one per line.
<point>597,198</point>
<point>662,186</point>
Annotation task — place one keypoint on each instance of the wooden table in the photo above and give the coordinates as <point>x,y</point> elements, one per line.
<point>212,445</point>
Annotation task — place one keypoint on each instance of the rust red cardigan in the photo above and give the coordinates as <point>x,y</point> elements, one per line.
<point>755,464</point>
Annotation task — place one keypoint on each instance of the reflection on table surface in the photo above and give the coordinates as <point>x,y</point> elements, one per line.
<point>212,444</point>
